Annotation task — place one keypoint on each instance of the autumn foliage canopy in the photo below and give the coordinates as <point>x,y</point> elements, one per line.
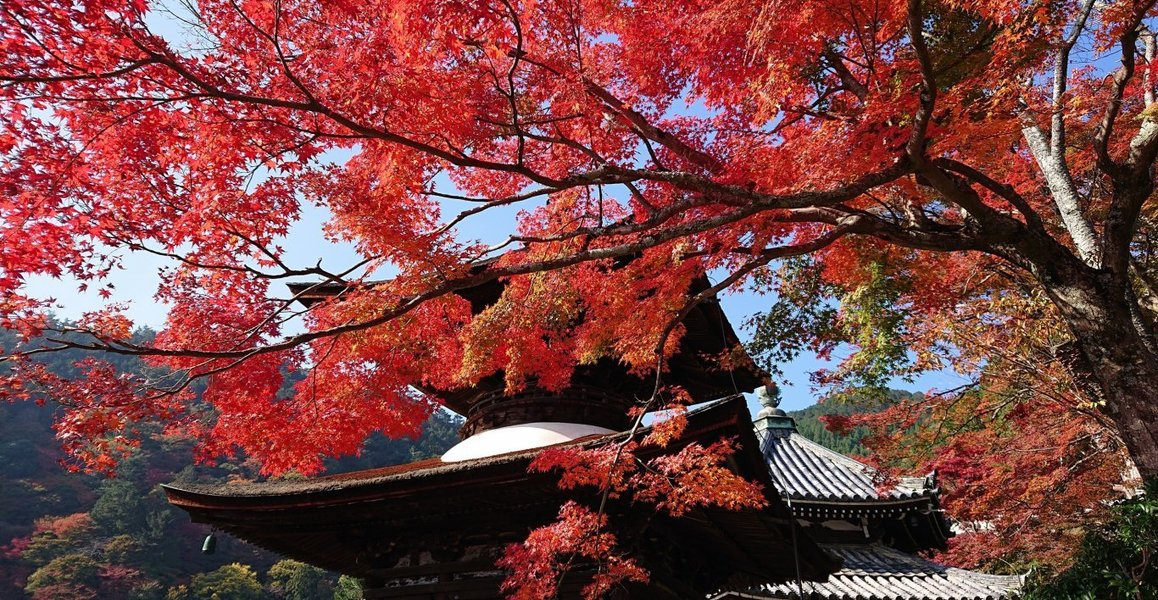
<point>927,184</point>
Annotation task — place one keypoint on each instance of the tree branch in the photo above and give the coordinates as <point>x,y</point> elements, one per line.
<point>1061,72</point>
<point>1005,191</point>
<point>1121,78</point>
<point>650,132</point>
<point>847,79</point>
<point>916,145</point>
<point>1063,192</point>
<point>1050,154</point>
<point>862,223</point>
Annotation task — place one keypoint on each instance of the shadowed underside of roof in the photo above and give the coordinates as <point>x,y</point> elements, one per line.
<point>368,523</point>
<point>875,572</point>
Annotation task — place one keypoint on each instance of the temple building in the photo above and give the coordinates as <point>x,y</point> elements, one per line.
<point>873,528</point>
<point>434,529</point>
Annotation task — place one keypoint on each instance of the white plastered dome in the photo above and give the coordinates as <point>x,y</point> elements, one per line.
<point>513,438</point>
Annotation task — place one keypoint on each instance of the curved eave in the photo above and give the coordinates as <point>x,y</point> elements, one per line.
<point>865,506</point>
<point>337,522</point>
<point>425,477</point>
<point>808,472</point>
<point>727,417</point>
<point>864,499</point>
<point>722,417</point>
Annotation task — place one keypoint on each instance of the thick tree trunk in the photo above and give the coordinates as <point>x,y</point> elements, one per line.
<point>1127,375</point>
<point>1112,354</point>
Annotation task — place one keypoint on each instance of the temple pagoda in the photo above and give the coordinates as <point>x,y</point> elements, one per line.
<point>434,529</point>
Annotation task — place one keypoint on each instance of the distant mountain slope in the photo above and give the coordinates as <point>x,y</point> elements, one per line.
<point>65,536</point>
<point>809,425</point>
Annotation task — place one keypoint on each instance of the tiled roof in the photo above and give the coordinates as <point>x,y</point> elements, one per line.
<point>356,523</point>
<point>874,572</point>
<point>805,470</point>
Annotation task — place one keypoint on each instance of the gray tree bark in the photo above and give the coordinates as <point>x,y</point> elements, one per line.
<point>1112,351</point>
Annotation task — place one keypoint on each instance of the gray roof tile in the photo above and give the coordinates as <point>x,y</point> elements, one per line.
<point>805,470</point>
<point>875,572</point>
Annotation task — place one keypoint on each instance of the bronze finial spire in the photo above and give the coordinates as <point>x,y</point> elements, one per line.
<point>771,416</point>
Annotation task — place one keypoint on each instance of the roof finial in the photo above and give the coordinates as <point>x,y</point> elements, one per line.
<point>769,396</point>
<point>771,417</point>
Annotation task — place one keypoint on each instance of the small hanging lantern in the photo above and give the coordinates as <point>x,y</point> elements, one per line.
<point>210,544</point>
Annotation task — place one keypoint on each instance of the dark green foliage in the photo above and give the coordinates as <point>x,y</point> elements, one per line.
<point>348,588</point>
<point>14,463</point>
<point>120,507</point>
<point>810,314</point>
<point>293,580</point>
<point>67,570</point>
<point>438,434</point>
<point>67,534</point>
<point>809,424</point>
<point>234,581</point>
<point>1117,561</point>
<point>142,548</point>
<point>799,315</point>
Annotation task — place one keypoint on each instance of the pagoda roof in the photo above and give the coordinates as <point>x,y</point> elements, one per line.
<point>821,485</point>
<point>876,572</point>
<point>342,522</point>
<point>707,336</point>
<point>806,471</point>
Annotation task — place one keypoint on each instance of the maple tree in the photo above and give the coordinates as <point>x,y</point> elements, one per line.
<point>1025,460</point>
<point>944,138</point>
<point>1022,477</point>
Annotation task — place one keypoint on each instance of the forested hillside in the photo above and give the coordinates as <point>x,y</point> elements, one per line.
<point>66,536</point>
<point>810,425</point>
